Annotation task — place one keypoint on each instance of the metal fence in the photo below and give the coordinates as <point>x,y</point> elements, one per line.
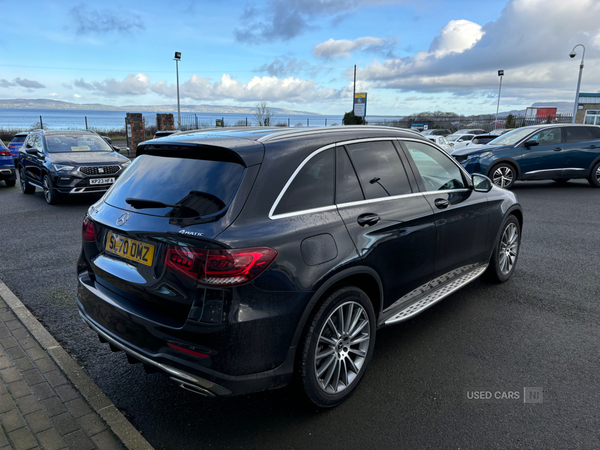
<point>195,122</point>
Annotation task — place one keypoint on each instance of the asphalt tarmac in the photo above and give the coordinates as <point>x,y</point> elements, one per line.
<point>540,331</point>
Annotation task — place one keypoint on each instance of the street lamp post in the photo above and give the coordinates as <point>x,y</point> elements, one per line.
<point>573,55</point>
<point>177,59</point>
<point>500,74</point>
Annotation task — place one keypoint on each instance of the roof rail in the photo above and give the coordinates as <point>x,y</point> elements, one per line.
<point>318,130</point>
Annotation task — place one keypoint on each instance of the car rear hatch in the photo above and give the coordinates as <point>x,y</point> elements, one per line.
<point>147,239</point>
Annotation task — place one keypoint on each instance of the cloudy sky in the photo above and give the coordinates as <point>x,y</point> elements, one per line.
<point>411,55</point>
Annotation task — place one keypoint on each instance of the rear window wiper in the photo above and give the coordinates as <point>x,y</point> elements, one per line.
<point>142,203</point>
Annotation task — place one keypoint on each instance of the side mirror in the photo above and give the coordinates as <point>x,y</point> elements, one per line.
<point>31,151</point>
<point>531,143</point>
<point>481,183</point>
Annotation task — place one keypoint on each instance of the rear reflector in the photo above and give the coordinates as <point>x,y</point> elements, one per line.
<point>88,232</point>
<point>220,267</point>
<point>187,350</point>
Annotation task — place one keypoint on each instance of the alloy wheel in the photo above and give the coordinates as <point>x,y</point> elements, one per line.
<point>342,347</point>
<point>598,174</point>
<point>503,176</point>
<point>509,246</point>
<point>48,195</point>
<point>22,180</point>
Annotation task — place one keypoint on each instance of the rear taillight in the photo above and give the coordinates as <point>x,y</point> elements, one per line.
<point>220,267</point>
<point>4,152</point>
<point>88,232</point>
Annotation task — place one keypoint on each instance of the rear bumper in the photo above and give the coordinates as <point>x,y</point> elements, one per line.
<point>8,173</point>
<point>236,350</point>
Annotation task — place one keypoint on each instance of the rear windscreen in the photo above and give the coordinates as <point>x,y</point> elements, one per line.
<point>18,139</point>
<point>194,187</point>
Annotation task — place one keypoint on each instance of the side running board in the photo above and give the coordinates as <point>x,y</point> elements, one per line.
<point>438,293</point>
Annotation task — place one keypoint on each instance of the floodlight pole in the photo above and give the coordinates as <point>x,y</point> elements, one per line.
<point>354,89</point>
<point>579,80</point>
<point>177,59</point>
<point>500,74</point>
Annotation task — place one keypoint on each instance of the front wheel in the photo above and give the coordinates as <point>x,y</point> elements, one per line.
<point>503,175</point>
<point>594,178</point>
<point>25,186</point>
<point>504,258</point>
<point>338,346</point>
<point>50,194</point>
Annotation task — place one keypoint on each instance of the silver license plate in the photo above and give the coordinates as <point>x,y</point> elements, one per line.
<point>102,181</point>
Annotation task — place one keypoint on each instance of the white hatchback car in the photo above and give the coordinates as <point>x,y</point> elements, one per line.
<point>442,142</point>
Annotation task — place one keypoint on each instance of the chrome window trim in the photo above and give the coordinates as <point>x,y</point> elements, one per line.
<point>379,199</point>
<point>273,216</point>
<point>446,191</point>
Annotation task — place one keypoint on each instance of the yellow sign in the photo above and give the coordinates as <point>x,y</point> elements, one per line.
<point>360,95</point>
<point>83,148</point>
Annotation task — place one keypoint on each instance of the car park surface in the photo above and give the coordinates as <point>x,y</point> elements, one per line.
<point>182,277</point>
<point>559,152</point>
<point>540,329</point>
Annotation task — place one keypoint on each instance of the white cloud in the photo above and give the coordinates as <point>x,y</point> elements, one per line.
<point>332,49</point>
<point>76,95</point>
<point>130,85</point>
<point>456,37</point>
<point>530,40</point>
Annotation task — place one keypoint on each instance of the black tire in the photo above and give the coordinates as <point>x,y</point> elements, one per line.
<point>26,188</point>
<point>10,183</point>
<point>347,361</point>
<point>503,175</point>
<point>561,180</point>
<point>50,194</point>
<point>594,178</point>
<point>505,252</point>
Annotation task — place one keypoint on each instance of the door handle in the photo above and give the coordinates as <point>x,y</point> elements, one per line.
<point>441,203</point>
<point>367,219</point>
<point>558,149</point>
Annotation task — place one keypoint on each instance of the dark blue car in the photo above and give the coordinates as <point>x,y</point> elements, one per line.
<point>16,144</point>
<point>556,152</point>
<point>7,167</point>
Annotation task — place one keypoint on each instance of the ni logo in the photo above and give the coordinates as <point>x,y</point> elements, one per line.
<point>122,219</point>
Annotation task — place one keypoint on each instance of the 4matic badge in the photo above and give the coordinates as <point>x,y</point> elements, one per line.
<point>191,233</point>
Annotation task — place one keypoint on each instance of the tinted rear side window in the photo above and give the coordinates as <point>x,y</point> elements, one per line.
<point>200,187</point>
<point>595,132</point>
<point>312,187</point>
<point>380,170</point>
<point>18,139</point>
<point>347,187</point>
<point>578,134</point>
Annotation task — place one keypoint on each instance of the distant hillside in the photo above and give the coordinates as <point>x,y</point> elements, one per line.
<point>20,103</point>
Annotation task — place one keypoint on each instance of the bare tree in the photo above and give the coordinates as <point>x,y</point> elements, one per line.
<point>263,114</point>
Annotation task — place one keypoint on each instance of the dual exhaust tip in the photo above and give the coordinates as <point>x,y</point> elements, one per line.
<point>151,369</point>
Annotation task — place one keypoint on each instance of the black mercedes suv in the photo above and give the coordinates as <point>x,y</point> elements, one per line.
<point>231,260</point>
<point>68,162</point>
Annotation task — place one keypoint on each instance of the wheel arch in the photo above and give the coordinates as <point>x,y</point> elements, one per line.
<point>594,162</point>
<point>510,161</point>
<point>363,277</point>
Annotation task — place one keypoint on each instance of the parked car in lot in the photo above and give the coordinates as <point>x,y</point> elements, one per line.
<point>436,132</point>
<point>470,131</point>
<point>68,162</point>
<point>442,142</point>
<point>232,260</point>
<point>478,141</point>
<point>541,152</point>
<point>459,140</point>
<point>7,166</point>
<point>15,144</point>
<point>164,133</point>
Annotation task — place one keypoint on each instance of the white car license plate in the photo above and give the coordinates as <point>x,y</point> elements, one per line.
<point>102,181</point>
